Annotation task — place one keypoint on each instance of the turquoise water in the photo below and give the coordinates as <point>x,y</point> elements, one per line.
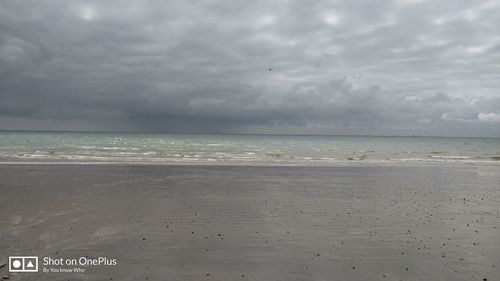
<point>184,148</point>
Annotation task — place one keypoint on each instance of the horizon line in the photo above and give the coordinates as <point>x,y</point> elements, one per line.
<point>245,134</point>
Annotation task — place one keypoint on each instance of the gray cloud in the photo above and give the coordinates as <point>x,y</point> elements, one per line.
<point>360,67</point>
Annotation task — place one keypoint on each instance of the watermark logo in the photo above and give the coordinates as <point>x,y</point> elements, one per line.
<point>23,264</point>
<point>58,265</point>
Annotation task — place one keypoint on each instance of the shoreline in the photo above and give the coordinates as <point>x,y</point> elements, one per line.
<point>344,163</point>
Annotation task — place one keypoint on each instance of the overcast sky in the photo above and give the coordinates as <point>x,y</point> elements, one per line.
<point>307,67</point>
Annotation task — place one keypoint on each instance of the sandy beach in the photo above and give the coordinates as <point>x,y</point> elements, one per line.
<point>254,223</point>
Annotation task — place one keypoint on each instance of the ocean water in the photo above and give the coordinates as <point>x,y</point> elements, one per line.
<point>240,149</point>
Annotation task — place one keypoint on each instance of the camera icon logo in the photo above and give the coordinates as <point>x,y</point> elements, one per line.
<point>23,264</point>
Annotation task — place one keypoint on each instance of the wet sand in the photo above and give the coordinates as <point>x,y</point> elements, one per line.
<point>255,223</point>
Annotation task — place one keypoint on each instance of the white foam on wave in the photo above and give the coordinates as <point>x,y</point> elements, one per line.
<point>87,147</point>
<point>244,158</point>
<point>115,148</point>
<point>455,157</point>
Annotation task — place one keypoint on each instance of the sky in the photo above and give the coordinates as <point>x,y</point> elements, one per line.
<point>399,67</point>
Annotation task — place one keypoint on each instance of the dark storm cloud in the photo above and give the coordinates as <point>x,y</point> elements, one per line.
<point>374,67</point>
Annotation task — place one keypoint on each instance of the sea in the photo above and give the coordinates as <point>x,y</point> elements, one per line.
<point>97,147</point>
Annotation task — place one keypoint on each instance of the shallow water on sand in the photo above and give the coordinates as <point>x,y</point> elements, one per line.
<point>256,223</point>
